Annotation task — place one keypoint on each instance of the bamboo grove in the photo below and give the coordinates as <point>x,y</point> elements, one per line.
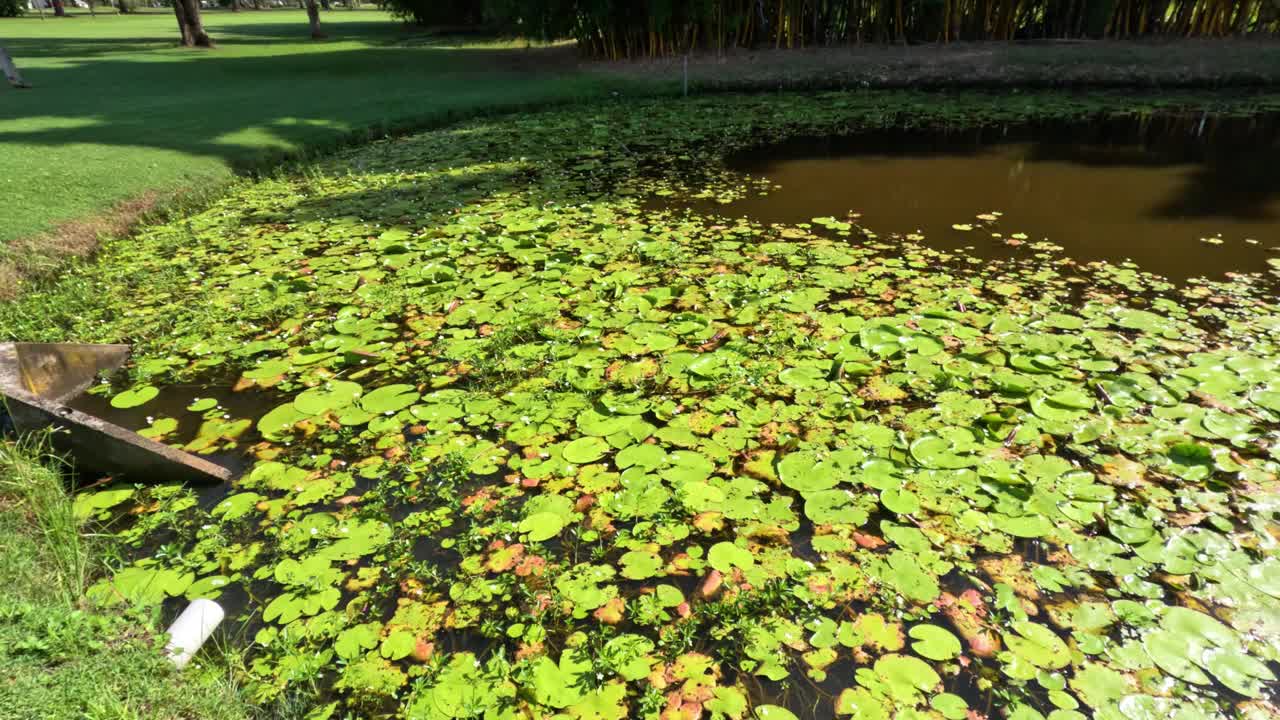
<point>619,29</point>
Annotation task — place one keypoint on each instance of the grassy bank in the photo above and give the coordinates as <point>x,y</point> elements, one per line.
<point>59,658</point>
<point>120,118</point>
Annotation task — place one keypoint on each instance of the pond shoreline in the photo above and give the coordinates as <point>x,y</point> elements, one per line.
<point>1148,66</point>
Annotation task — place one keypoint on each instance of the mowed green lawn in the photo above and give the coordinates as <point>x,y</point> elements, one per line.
<point>118,109</point>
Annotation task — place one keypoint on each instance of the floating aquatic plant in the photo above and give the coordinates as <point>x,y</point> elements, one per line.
<point>548,450</point>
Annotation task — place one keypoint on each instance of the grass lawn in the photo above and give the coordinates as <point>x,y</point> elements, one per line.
<point>118,110</point>
<point>61,659</point>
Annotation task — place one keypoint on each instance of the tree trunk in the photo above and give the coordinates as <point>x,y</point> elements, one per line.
<point>313,16</point>
<point>11,71</point>
<point>235,5</point>
<point>190,24</point>
<point>324,4</point>
<point>180,12</point>
<point>58,11</point>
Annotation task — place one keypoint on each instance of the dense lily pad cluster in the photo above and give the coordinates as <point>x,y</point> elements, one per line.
<point>530,446</point>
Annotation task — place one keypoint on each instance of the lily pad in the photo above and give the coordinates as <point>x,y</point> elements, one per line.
<point>934,643</point>
<point>135,396</point>
<point>585,450</point>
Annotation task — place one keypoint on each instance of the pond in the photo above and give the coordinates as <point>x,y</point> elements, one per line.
<point>1182,194</point>
<point>525,441</point>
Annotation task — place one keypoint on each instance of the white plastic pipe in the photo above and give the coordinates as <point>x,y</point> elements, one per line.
<point>192,628</point>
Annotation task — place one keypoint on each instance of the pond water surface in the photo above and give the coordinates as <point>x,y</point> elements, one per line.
<point>1180,195</point>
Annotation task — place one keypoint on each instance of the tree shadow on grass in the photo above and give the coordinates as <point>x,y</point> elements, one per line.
<point>249,111</point>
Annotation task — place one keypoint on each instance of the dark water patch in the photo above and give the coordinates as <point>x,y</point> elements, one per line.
<point>802,695</point>
<point>429,549</point>
<point>174,402</point>
<point>1114,188</point>
<point>449,642</point>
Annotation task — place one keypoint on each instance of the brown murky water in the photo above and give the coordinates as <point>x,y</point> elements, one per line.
<point>1114,189</point>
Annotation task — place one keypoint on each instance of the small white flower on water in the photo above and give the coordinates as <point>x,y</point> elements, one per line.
<point>345,530</point>
<point>315,531</point>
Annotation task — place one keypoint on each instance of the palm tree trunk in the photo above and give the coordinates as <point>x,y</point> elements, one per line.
<point>11,71</point>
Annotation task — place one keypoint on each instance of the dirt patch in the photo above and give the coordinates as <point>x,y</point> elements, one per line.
<point>40,255</point>
<point>1033,64</point>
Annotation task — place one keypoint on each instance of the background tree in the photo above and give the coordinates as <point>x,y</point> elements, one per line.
<point>190,24</point>
<point>444,12</point>
<point>646,28</point>
<point>12,8</point>
<point>313,17</point>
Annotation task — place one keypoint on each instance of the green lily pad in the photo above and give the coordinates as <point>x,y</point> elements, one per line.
<point>389,399</point>
<point>135,396</point>
<point>585,450</point>
<point>640,564</point>
<point>1038,645</point>
<point>542,526</point>
<point>327,398</point>
<point>202,404</point>
<point>934,643</point>
<point>803,471</point>
<point>724,556</point>
<point>774,712</point>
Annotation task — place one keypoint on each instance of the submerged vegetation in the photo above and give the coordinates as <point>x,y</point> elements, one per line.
<point>528,446</point>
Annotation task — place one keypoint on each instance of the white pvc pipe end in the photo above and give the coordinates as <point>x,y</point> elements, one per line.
<point>192,628</point>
